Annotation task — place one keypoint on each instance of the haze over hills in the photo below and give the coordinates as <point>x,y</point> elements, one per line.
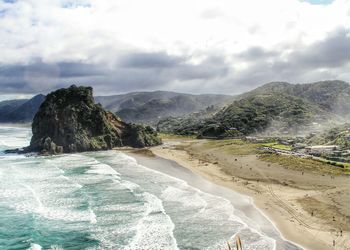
<point>138,107</point>
<point>150,107</point>
<point>329,95</point>
<point>275,108</point>
<point>115,103</point>
<point>339,135</point>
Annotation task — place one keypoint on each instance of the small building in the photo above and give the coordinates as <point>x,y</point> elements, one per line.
<point>347,137</point>
<point>232,129</point>
<point>299,145</point>
<point>321,149</point>
<point>251,138</point>
<point>257,139</point>
<point>286,142</point>
<point>345,153</point>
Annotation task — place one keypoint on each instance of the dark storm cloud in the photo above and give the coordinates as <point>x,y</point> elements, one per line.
<point>14,86</point>
<point>149,60</point>
<point>333,51</point>
<point>39,76</point>
<point>66,69</point>
<point>12,70</point>
<point>256,53</point>
<point>134,71</point>
<point>175,67</point>
<point>318,61</point>
<point>151,71</point>
<point>152,76</point>
<point>71,69</point>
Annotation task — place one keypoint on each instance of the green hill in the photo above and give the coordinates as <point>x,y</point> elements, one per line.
<point>329,95</point>
<point>278,108</point>
<point>150,107</point>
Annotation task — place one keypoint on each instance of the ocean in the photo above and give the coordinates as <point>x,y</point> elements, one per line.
<point>107,200</point>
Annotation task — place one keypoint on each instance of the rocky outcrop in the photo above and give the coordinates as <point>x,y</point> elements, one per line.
<point>69,121</point>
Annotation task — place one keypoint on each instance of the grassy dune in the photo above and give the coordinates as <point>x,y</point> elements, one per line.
<point>240,147</point>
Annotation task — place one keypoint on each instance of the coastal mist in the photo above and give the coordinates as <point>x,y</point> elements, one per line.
<point>106,200</point>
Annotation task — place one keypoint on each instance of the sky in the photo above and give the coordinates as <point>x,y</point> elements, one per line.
<point>192,46</point>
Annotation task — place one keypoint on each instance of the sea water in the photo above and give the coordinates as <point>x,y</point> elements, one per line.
<point>106,200</point>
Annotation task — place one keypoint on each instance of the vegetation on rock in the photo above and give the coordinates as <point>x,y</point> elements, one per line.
<point>70,121</point>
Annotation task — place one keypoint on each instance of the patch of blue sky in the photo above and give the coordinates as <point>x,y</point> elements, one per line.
<point>9,1</point>
<point>319,2</point>
<point>3,12</point>
<point>74,4</point>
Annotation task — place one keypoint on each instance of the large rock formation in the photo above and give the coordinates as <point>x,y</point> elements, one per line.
<point>69,121</point>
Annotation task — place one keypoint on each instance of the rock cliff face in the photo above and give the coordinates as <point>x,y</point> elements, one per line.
<point>69,121</point>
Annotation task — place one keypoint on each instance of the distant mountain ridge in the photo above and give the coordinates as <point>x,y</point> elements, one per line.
<point>277,107</point>
<point>21,110</point>
<point>115,103</point>
<point>139,107</point>
<point>150,107</point>
<point>326,94</point>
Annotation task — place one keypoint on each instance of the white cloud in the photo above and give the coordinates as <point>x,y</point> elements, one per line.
<point>102,31</point>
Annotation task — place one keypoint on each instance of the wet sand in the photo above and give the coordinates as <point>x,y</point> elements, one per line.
<point>310,209</point>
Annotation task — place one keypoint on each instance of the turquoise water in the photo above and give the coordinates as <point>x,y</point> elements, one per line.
<point>105,200</point>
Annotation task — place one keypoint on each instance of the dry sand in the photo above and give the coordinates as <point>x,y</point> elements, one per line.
<point>310,209</point>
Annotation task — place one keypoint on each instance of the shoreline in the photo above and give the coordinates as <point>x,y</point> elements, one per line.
<point>243,203</point>
<point>282,204</point>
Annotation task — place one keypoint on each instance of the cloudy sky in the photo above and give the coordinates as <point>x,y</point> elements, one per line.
<point>195,46</point>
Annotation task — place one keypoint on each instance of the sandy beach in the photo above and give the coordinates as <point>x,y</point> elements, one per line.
<point>309,208</point>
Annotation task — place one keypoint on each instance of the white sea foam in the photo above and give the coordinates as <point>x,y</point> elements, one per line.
<point>185,197</point>
<point>180,191</point>
<point>92,216</point>
<point>211,206</point>
<point>39,205</point>
<point>129,185</point>
<point>103,169</point>
<point>155,229</point>
<point>45,192</point>
<point>34,246</point>
<point>8,140</point>
<point>56,247</point>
